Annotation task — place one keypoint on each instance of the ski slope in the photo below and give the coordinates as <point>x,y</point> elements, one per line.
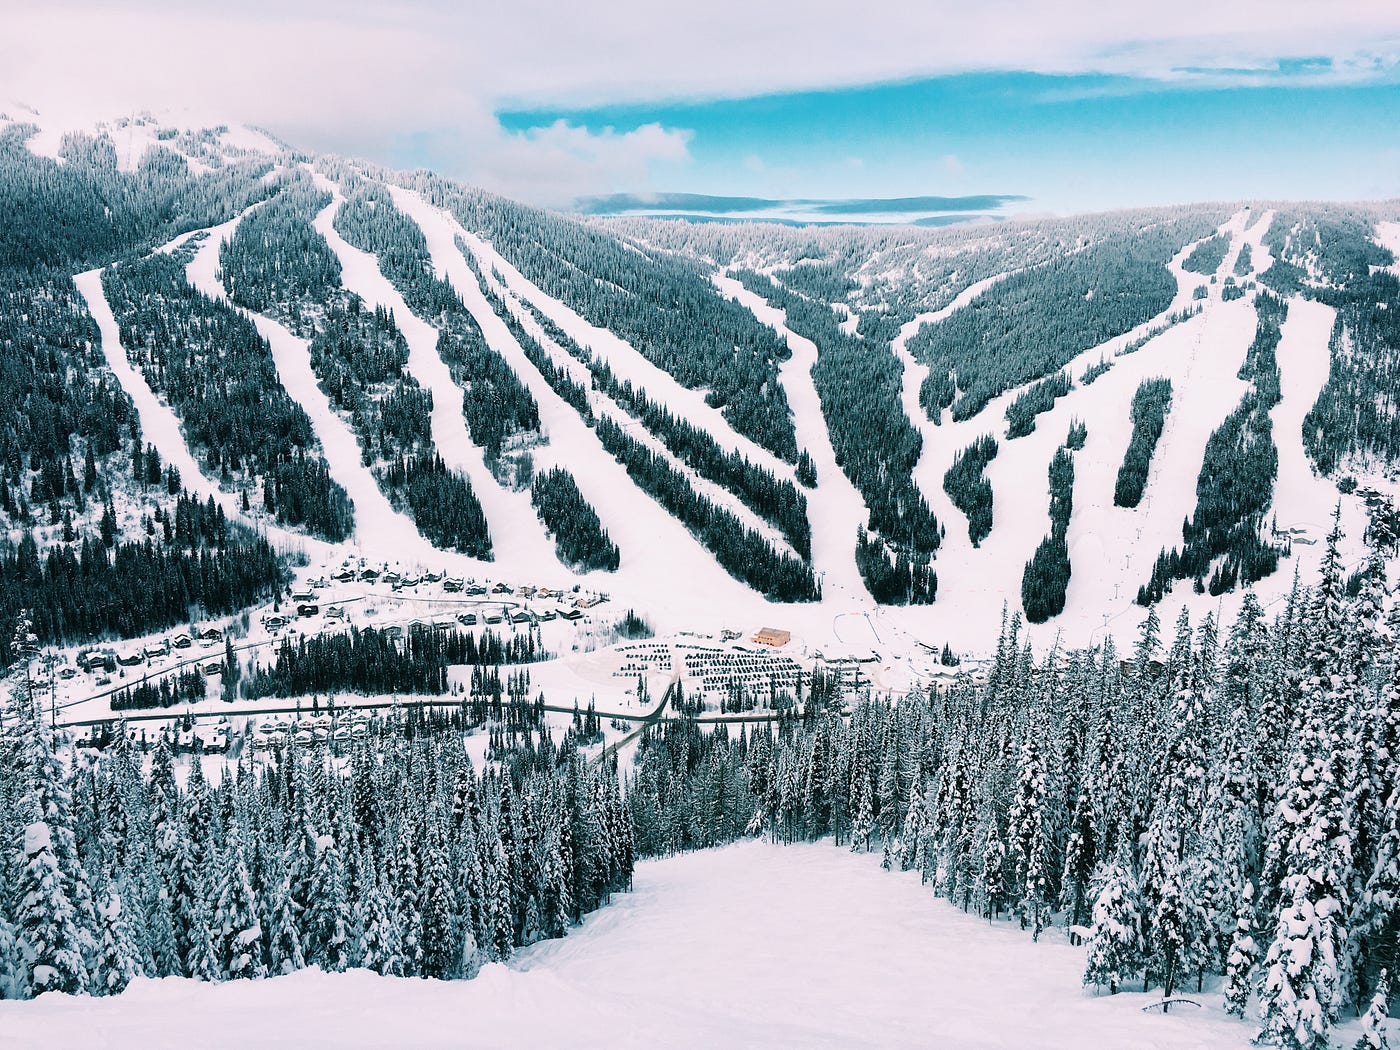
<point>380,530</point>
<point>161,427</point>
<point>627,363</point>
<point>835,507</point>
<point>663,566</point>
<point>751,945</point>
<point>603,404</point>
<point>360,273</point>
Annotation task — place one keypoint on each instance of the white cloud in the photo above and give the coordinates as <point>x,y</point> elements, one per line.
<point>357,75</point>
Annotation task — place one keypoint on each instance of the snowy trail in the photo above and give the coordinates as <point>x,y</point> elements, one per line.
<point>161,427</point>
<point>915,372</point>
<point>380,530</point>
<point>835,507</point>
<point>1303,499</point>
<point>626,362</point>
<point>1241,234</point>
<point>602,404</point>
<point>750,945</point>
<point>510,541</point>
<point>661,562</point>
<point>1104,561</point>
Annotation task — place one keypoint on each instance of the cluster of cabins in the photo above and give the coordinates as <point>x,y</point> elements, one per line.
<point>103,660</point>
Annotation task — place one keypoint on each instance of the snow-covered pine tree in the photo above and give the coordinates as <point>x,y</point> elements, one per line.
<point>1373,1035</point>
<point>1115,942</point>
<point>51,944</point>
<point>235,931</point>
<point>1243,955</point>
<point>118,955</point>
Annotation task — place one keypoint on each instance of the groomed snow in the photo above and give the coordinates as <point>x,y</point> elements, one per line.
<point>380,530</point>
<point>161,428</point>
<point>835,507</point>
<point>751,945</point>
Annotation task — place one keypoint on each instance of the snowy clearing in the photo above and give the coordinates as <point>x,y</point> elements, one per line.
<point>823,949</point>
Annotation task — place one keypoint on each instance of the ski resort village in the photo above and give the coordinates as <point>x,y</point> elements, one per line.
<point>431,619</point>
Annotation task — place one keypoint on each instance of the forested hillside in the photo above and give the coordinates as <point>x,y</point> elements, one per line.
<point>949,366</point>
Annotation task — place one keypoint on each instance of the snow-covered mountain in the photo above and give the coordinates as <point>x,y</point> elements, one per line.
<point>852,432</point>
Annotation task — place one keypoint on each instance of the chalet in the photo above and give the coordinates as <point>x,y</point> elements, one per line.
<point>467,619</point>
<point>409,581</point>
<point>529,590</point>
<point>492,617</point>
<point>210,634</point>
<point>393,631</point>
<point>520,616</point>
<point>773,636</point>
<point>549,614</point>
<point>156,649</point>
<point>275,623</point>
<point>308,609</point>
<point>98,658</point>
<point>431,577</point>
<point>452,586</point>
<point>502,588</point>
<point>727,635</point>
<point>303,596</point>
<point>444,625</point>
<point>369,575</point>
<point>213,667</point>
<point>474,590</point>
<point>345,576</point>
<point>131,659</point>
<point>572,614</point>
<point>65,672</point>
<point>181,641</point>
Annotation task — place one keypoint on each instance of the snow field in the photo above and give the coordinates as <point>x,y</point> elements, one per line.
<point>821,948</point>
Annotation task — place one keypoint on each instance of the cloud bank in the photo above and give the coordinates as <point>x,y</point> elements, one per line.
<point>381,79</point>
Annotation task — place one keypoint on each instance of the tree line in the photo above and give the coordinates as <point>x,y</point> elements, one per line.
<point>405,860</point>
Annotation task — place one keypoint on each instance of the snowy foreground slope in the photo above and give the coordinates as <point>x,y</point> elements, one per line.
<point>751,945</point>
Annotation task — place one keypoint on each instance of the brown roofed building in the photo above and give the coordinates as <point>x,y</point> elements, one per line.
<point>773,636</point>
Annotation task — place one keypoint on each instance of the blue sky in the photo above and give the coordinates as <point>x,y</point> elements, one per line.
<point>1075,103</point>
<point>1070,143</point>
